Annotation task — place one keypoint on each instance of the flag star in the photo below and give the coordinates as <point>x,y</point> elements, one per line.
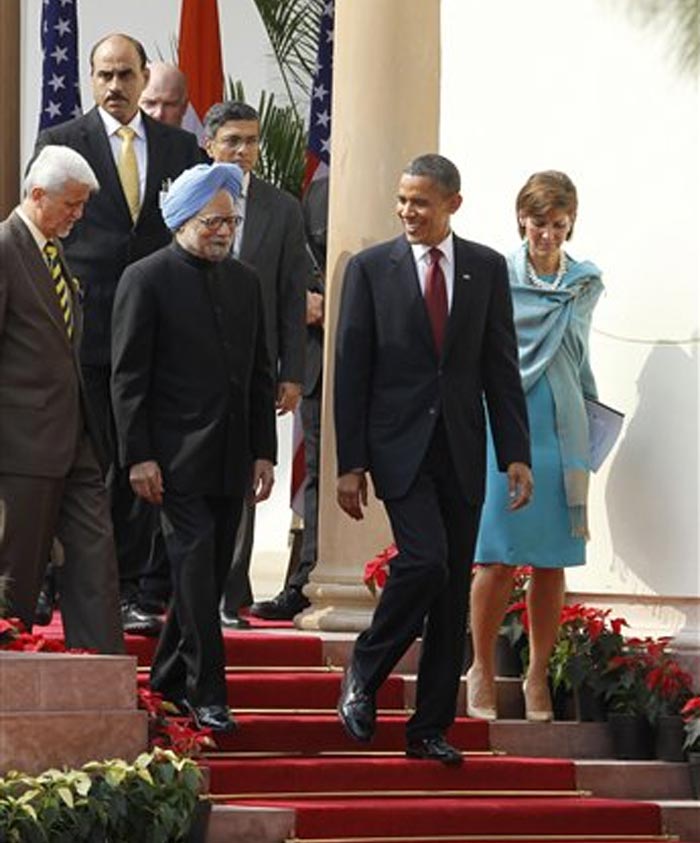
<point>323,118</point>
<point>328,9</point>
<point>66,3</point>
<point>53,109</point>
<point>62,27</point>
<point>57,82</point>
<point>77,111</point>
<point>326,145</point>
<point>320,92</point>
<point>329,36</point>
<point>60,54</point>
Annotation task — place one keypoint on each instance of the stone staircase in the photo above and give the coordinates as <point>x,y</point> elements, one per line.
<point>60,709</point>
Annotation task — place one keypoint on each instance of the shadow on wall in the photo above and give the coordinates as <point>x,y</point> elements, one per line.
<point>652,490</point>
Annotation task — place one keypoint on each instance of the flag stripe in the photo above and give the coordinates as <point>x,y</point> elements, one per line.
<point>200,53</point>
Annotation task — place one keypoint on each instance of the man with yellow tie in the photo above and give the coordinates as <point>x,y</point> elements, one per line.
<point>50,480</point>
<point>134,158</point>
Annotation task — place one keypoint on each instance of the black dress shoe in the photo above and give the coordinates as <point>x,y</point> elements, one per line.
<point>357,709</point>
<point>137,622</point>
<point>434,749</point>
<point>233,621</point>
<point>44,608</point>
<point>281,608</point>
<point>214,717</point>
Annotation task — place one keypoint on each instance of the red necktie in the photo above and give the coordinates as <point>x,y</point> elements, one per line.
<point>436,298</point>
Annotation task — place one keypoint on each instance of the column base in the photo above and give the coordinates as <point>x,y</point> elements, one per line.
<point>336,607</point>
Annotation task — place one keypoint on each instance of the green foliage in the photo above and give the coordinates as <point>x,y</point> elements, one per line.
<point>679,20</point>
<point>149,801</point>
<point>292,27</point>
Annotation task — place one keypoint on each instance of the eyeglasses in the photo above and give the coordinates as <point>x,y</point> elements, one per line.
<point>235,141</point>
<point>215,223</point>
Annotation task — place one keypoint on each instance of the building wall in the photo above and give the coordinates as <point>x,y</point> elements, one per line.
<point>529,86</point>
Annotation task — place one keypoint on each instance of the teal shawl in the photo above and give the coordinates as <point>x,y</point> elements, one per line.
<point>553,327</point>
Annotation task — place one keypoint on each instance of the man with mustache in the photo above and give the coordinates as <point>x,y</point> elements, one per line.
<point>134,157</point>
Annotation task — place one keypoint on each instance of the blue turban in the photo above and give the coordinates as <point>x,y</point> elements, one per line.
<point>194,188</point>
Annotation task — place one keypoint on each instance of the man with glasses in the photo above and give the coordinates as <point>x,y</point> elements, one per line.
<point>271,240</point>
<point>194,407</point>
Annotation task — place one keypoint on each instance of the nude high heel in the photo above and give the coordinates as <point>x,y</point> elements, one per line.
<point>480,699</point>
<point>534,715</point>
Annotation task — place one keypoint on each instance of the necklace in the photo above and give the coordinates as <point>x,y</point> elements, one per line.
<point>535,279</point>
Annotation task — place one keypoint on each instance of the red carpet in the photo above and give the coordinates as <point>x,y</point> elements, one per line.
<point>290,750</point>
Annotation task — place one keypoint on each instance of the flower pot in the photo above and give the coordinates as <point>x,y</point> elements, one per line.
<point>669,737</point>
<point>632,736</point>
<point>508,662</point>
<point>589,707</point>
<point>200,822</point>
<point>694,769</point>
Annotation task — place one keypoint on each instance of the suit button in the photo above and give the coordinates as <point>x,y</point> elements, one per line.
<point>431,411</point>
<point>440,372</point>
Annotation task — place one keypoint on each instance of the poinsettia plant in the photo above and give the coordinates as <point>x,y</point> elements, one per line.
<point>168,731</point>
<point>377,569</point>
<point>669,685</point>
<point>691,719</point>
<point>515,621</point>
<point>588,638</point>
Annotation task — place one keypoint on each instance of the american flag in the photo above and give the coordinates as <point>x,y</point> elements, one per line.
<point>318,158</point>
<point>318,153</point>
<point>60,90</point>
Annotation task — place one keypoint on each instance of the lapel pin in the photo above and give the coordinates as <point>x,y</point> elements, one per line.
<point>467,276</point>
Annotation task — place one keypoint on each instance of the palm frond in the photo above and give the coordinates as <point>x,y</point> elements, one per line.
<point>680,20</point>
<point>292,27</point>
<point>282,140</point>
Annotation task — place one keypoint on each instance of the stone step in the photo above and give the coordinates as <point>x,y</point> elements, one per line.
<point>558,739</point>
<point>242,824</point>
<point>634,779</point>
<point>34,742</point>
<point>31,682</point>
<point>681,818</point>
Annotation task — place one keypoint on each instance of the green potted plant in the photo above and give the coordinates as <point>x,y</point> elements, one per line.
<point>512,641</point>
<point>587,639</point>
<point>670,688</point>
<point>627,696</point>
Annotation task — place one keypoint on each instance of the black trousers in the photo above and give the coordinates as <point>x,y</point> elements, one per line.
<point>135,520</point>
<point>427,592</point>
<point>199,533</point>
<point>311,422</point>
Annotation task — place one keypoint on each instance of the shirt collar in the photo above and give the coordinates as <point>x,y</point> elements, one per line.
<point>112,125</point>
<point>446,246</point>
<point>40,238</point>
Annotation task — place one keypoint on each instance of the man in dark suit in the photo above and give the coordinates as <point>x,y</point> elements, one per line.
<point>291,599</point>
<point>425,335</point>
<point>50,480</point>
<point>122,224</point>
<point>271,240</point>
<point>194,406</point>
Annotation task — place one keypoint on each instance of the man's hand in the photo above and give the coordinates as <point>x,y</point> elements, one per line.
<point>314,308</point>
<point>263,480</point>
<point>520,485</point>
<point>147,481</point>
<point>352,493</point>
<point>288,395</point>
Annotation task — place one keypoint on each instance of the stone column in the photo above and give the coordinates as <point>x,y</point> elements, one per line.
<point>9,105</point>
<point>386,89</point>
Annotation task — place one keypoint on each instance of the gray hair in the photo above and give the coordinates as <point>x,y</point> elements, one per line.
<point>55,166</point>
<point>437,168</point>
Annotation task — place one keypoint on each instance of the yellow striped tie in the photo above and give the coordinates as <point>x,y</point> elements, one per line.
<point>129,171</point>
<point>60,284</point>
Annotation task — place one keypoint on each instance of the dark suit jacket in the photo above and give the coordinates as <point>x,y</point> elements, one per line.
<point>42,410</point>
<point>274,245</point>
<point>192,385</point>
<point>391,386</point>
<point>106,240</point>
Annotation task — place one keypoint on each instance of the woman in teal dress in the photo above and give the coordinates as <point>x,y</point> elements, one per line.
<point>553,300</point>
